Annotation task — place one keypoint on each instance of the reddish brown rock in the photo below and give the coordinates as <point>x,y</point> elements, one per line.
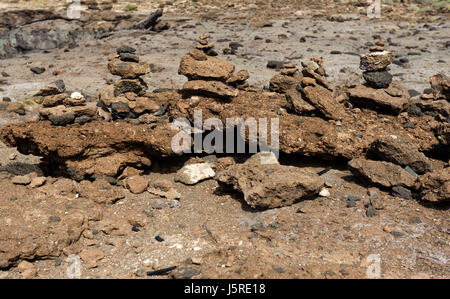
<point>365,96</point>
<point>128,70</point>
<point>435,186</point>
<point>381,173</point>
<point>209,88</point>
<point>267,186</point>
<point>136,184</point>
<point>211,68</point>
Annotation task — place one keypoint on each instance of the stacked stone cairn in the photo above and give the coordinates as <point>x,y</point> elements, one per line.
<point>61,109</point>
<point>127,97</point>
<point>375,66</point>
<point>210,76</point>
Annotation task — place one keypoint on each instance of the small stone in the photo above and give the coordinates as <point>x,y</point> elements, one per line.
<point>324,192</point>
<point>136,184</point>
<point>125,49</point>
<point>21,180</point>
<point>378,79</point>
<point>37,70</point>
<point>371,211</point>
<point>37,182</point>
<point>402,192</point>
<point>194,173</point>
<point>414,220</point>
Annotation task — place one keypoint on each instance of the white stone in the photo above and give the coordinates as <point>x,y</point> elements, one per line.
<point>76,95</point>
<point>324,192</point>
<point>194,173</point>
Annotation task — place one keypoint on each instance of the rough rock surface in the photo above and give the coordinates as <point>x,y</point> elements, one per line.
<point>435,186</point>
<point>193,173</point>
<point>268,186</point>
<point>378,98</point>
<point>93,148</point>
<point>381,173</point>
<point>401,152</point>
<point>211,68</point>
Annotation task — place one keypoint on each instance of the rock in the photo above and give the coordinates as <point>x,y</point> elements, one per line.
<point>198,55</point>
<point>54,100</point>
<point>21,180</point>
<point>402,152</point>
<point>37,70</point>
<point>165,189</point>
<point>16,108</point>
<point>59,115</point>
<point>211,68</point>
<point>128,57</point>
<point>378,98</point>
<point>440,84</point>
<point>54,88</point>
<point>128,70</point>
<point>381,173</point>
<point>91,257</point>
<point>136,184</point>
<point>435,186</point>
<point>281,83</point>
<point>298,104</point>
<point>375,61</point>
<point>108,148</point>
<point>261,158</point>
<point>138,86</point>
<point>185,272</point>
<point>324,192</point>
<point>378,79</point>
<point>238,78</point>
<point>402,192</point>
<point>268,186</point>
<point>209,88</point>
<point>322,99</point>
<point>37,182</point>
<point>125,49</point>
<point>371,211</point>
<point>441,107</point>
<point>194,173</point>
<point>273,64</point>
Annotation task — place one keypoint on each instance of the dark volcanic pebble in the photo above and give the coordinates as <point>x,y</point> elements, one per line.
<point>129,57</point>
<point>273,64</point>
<point>37,70</point>
<point>125,49</point>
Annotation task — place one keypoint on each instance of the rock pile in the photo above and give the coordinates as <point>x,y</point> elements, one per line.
<point>375,66</point>
<point>379,92</point>
<point>61,109</point>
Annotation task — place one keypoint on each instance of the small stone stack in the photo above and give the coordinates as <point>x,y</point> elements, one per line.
<point>62,109</point>
<point>209,76</point>
<point>205,46</point>
<point>374,65</point>
<point>127,98</point>
<point>125,63</point>
<point>316,90</point>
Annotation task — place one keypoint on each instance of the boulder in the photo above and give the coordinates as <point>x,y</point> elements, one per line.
<point>435,186</point>
<point>267,186</point>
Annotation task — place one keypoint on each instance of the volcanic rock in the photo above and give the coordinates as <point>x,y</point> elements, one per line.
<point>209,88</point>
<point>128,70</point>
<point>362,95</point>
<point>381,173</point>
<point>435,186</point>
<point>378,79</point>
<point>298,104</point>
<point>211,68</point>
<point>402,152</point>
<point>268,186</point>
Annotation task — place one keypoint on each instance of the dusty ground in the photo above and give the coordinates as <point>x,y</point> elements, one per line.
<point>213,234</point>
